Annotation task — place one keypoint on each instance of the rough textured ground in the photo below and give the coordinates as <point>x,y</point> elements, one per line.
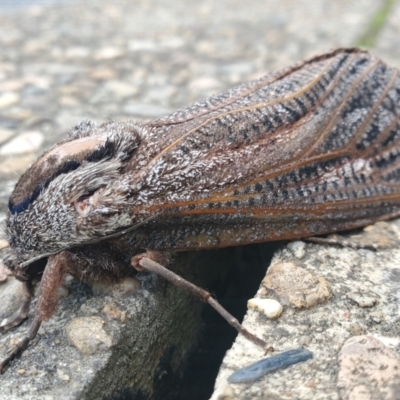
<point>331,299</point>
<point>97,60</point>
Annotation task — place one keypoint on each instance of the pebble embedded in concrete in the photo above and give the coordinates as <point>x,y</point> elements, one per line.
<point>8,99</point>
<point>108,53</point>
<point>125,288</point>
<point>295,286</point>
<point>362,300</point>
<point>368,369</point>
<point>62,375</point>
<point>298,248</point>
<point>112,311</point>
<point>11,298</point>
<point>5,134</point>
<point>88,335</point>
<point>270,307</point>
<point>17,164</point>
<point>376,317</point>
<point>27,142</point>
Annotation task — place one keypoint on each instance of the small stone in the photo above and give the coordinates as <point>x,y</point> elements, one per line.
<point>124,316</point>
<point>296,286</point>
<point>11,298</point>
<point>14,342</point>
<point>205,83</point>
<point>5,134</point>
<point>255,391</point>
<point>298,248</point>
<point>126,288</point>
<point>77,52</point>
<point>108,53</point>
<point>160,93</point>
<point>227,393</point>
<point>140,44</point>
<point>8,99</point>
<point>21,371</point>
<point>262,292</point>
<point>102,74</point>
<point>120,88</point>
<point>361,300</point>
<point>112,311</point>
<point>145,110</point>
<point>356,329</point>
<point>33,371</point>
<point>3,244</point>
<point>12,85</point>
<point>376,316</point>
<point>68,101</point>
<point>304,340</point>
<point>17,164</point>
<point>62,375</point>
<point>87,335</point>
<point>63,292</point>
<point>270,307</point>
<point>27,142</point>
<point>368,370</point>
<point>41,331</point>
<point>20,113</point>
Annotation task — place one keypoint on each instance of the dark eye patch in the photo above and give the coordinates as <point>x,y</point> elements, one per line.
<point>104,152</point>
<point>68,166</point>
<point>40,174</point>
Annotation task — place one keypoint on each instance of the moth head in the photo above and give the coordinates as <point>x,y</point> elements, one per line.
<point>72,193</point>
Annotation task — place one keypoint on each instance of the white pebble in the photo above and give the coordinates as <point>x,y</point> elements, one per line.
<point>270,307</point>
<point>298,248</point>
<point>27,142</point>
<point>8,99</point>
<point>5,134</point>
<point>62,375</point>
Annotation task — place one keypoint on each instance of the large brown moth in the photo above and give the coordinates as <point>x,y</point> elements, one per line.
<point>308,150</point>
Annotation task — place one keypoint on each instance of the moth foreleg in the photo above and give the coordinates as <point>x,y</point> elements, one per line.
<point>23,312</point>
<point>52,278</point>
<point>146,262</point>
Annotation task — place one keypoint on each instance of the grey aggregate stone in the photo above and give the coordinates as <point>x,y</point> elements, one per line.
<point>88,335</point>
<point>11,297</point>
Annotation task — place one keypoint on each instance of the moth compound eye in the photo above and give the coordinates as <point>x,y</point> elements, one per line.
<point>82,205</point>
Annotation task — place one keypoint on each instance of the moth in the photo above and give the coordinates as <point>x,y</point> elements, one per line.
<point>308,150</point>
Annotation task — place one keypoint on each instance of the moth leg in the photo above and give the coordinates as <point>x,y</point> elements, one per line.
<point>337,240</point>
<point>23,312</point>
<point>52,278</point>
<point>145,262</point>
